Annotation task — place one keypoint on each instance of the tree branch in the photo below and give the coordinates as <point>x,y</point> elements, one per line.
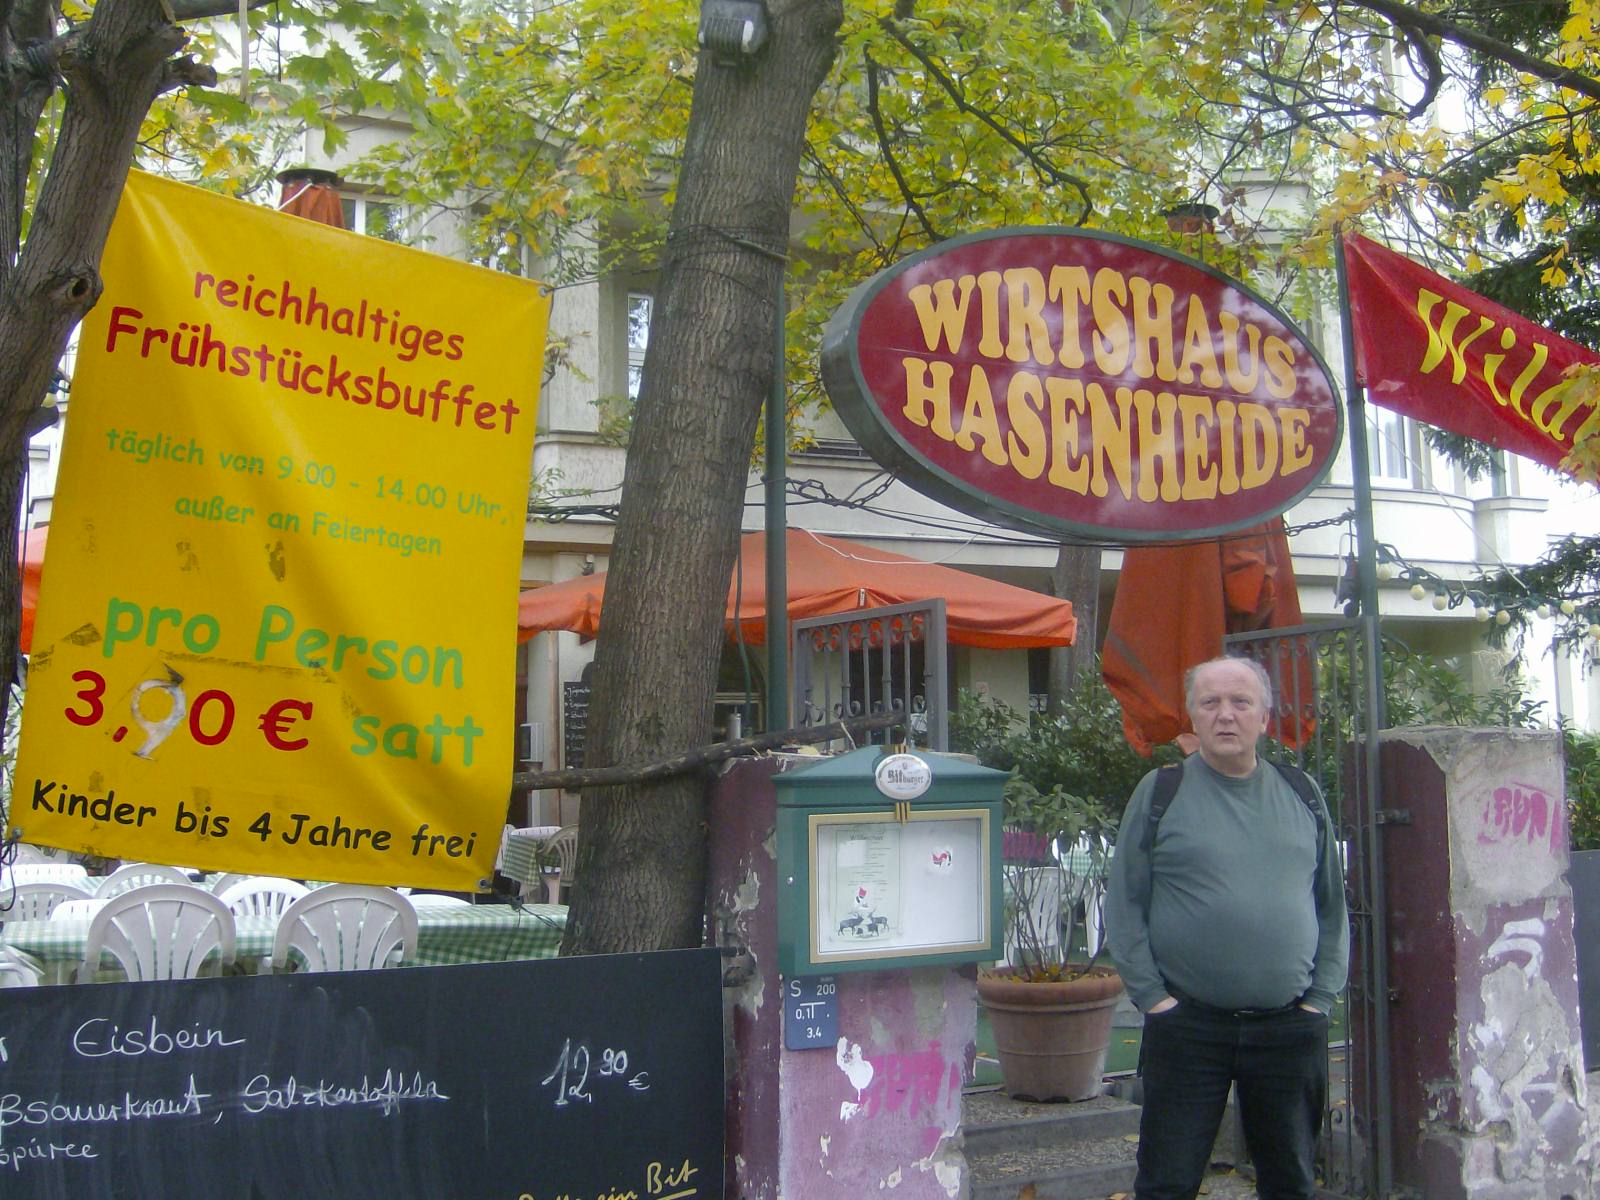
<point>888,152</point>
<point>679,764</point>
<point>199,10</point>
<point>1043,166</point>
<point>1411,18</point>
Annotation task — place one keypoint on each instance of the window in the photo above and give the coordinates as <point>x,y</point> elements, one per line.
<point>1391,447</point>
<point>639,306</point>
<point>374,217</point>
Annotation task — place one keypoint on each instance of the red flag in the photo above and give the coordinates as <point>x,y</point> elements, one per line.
<point>1432,350</point>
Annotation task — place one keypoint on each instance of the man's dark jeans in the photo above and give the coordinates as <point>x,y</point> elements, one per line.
<point>1189,1056</point>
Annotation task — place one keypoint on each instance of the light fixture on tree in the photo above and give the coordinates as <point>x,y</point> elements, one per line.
<point>733,30</point>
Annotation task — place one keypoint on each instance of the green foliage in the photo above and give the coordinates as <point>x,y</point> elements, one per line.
<point>1081,753</point>
<point>1583,787</point>
<point>1422,689</point>
<point>1072,776</point>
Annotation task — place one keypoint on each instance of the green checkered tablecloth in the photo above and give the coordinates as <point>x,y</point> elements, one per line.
<point>520,861</point>
<point>447,935</point>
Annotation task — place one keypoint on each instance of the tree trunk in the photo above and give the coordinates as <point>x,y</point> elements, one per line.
<point>113,67</point>
<point>1076,577</point>
<point>709,366</point>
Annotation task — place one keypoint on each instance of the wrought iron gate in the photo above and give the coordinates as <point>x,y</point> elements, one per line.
<point>874,660</point>
<point>1328,709</point>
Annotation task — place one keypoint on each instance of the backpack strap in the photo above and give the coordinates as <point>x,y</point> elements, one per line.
<point>1307,791</point>
<point>1169,777</point>
<point>1167,780</point>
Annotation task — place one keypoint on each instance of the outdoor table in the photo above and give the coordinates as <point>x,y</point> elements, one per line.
<point>447,935</point>
<point>520,861</point>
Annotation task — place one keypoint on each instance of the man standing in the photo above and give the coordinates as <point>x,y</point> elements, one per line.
<point>1226,918</point>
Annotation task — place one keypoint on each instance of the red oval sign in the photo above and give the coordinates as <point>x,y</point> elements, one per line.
<point>1064,381</point>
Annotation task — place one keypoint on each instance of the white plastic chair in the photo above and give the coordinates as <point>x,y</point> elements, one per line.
<point>560,853</point>
<point>50,872</point>
<point>135,875</point>
<point>346,927</point>
<point>36,901</point>
<point>25,853</point>
<point>262,896</point>
<point>16,973</point>
<point>225,881</point>
<point>78,910</point>
<point>437,900</point>
<point>160,931</point>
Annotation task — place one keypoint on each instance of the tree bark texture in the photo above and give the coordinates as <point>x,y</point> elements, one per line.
<point>708,369</point>
<point>110,69</point>
<point>1076,577</point>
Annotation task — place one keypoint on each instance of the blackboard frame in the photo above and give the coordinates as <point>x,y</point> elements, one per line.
<point>430,1083</point>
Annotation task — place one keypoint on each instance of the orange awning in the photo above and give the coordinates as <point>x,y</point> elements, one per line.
<point>831,575</point>
<point>31,552</point>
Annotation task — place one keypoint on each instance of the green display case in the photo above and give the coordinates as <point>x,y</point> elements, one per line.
<point>888,860</point>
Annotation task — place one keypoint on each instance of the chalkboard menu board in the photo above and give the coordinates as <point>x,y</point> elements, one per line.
<point>578,1077</point>
<point>574,724</point>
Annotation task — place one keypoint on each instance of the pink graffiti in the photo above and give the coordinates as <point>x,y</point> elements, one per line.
<point>1518,812</point>
<point>897,1078</point>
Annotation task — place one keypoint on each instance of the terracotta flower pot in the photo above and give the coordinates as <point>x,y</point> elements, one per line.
<point>1052,1036</point>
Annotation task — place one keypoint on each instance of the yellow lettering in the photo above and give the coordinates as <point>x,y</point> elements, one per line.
<point>1070,285</point>
<point>1296,449</point>
<point>979,419</point>
<point>1226,443</point>
<point>1590,425</point>
<point>1258,456</point>
<point>1029,335</point>
<point>1152,323</point>
<point>1443,341</point>
<point>1073,476</point>
<point>924,394</point>
<point>1238,380</point>
<point>1491,365</point>
<point>1111,345</point>
<point>1026,441</point>
<point>1196,416</point>
<point>1199,347</point>
<point>1279,356</point>
<point>941,313</point>
<point>989,309</point>
<point>1569,394</point>
<point>1111,439</point>
<point>1529,374</point>
<point>1158,444</point>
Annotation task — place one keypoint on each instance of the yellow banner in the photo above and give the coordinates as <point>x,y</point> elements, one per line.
<point>277,626</point>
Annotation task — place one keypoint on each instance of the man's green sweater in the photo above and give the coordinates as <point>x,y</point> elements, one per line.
<point>1229,905</point>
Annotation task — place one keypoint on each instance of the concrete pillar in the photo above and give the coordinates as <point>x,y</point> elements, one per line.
<point>1487,1060</point>
<point>879,1111</point>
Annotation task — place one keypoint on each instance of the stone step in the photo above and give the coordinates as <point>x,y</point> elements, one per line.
<point>1078,1151</point>
<point>994,1122</point>
<point>1082,1169</point>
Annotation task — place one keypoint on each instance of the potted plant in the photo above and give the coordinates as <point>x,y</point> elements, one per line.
<point>1051,1008</point>
<point>1051,1014</point>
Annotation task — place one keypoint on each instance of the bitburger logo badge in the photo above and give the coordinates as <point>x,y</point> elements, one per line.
<point>1066,381</point>
<point>902,776</point>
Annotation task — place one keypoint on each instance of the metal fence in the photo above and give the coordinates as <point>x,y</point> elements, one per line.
<point>1328,709</point>
<point>875,660</point>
